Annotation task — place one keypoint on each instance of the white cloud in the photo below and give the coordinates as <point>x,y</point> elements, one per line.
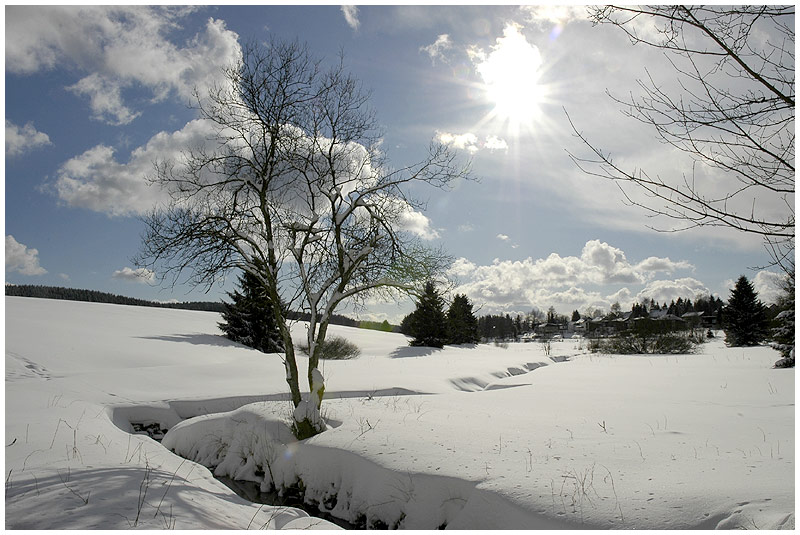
<point>557,280</point>
<point>494,143</point>
<point>471,142</point>
<point>140,275</point>
<point>768,286</point>
<point>461,268</point>
<point>118,47</point>
<point>21,140</point>
<point>654,264</point>
<point>503,237</point>
<point>21,259</point>
<point>468,141</point>
<point>559,15</point>
<point>351,16</point>
<point>436,50</point>
<point>467,227</point>
<point>621,296</point>
<point>419,224</point>
<point>608,264</point>
<point>105,99</point>
<point>665,291</point>
<point>95,180</point>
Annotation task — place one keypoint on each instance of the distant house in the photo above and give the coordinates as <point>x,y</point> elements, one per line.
<point>548,330</point>
<point>608,325</point>
<point>580,326</point>
<point>655,314</point>
<point>672,322</point>
<point>694,320</point>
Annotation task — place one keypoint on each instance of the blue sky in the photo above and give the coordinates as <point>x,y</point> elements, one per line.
<point>93,94</point>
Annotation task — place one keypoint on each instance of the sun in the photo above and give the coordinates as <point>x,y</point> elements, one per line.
<point>511,75</point>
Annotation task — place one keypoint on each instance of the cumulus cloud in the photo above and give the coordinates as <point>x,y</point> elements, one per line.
<point>97,181</point>
<point>21,140</point>
<point>419,224</point>
<point>665,291</point>
<point>468,141</point>
<point>437,49</point>
<point>503,237</point>
<point>21,259</point>
<point>471,142</point>
<point>768,286</point>
<point>558,281</point>
<point>351,16</point>
<point>139,275</point>
<point>118,47</point>
<point>494,143</point>
<point>105,99</point>
<point>654,264</point>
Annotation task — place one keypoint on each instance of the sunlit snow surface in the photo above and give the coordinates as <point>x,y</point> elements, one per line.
<point>467,437</point>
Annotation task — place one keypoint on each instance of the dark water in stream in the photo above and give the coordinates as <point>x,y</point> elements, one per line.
<point>252,492</point>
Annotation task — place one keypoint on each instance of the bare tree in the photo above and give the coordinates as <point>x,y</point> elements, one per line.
<point>732,111</point>
<point>293,188</point>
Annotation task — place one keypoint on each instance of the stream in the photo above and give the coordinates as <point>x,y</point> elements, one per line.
<point>251,491</point>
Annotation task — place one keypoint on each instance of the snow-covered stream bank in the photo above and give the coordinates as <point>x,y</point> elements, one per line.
<point>480,437</point>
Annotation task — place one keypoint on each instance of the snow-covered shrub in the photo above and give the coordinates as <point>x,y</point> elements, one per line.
<point>335,348</point>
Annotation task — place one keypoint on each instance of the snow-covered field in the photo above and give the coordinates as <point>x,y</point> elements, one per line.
<point>467,437</point>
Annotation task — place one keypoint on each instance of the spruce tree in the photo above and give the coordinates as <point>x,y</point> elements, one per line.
<point>783,334</point>
<point>249,319</point>
<point>427,324</point>
<point>462,325</point>
<point>745,317</point>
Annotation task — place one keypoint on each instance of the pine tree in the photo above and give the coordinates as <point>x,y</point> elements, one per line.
<point>783,334</point>
<point>462,326</point>
<point>427,324</point>
<point>745,318</point>
<point>576,315</point>
<point>249,319</point>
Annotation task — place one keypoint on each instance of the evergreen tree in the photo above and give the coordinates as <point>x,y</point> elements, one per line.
<point>745,318</point>
<point>405,325</point>
<point>427,324</point>
<point>462,325</point>
<point>249,319</point>
<point>576,315</point>
<point>783,334</point>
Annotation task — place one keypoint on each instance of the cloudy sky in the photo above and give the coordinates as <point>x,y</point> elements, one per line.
<point>94,95</point>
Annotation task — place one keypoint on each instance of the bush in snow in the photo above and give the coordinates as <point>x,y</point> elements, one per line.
<point>335,348</point>
<point>745,316</point>
<point>658,344</point>
<point>249,319</point>
<point>648,337</point>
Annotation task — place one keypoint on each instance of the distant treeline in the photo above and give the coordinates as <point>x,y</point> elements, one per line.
<point>93,296</point>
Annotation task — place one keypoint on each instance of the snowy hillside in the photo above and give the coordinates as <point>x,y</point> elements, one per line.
<point>466,437</point>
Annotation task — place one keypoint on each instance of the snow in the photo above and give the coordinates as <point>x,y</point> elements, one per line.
<point>470,437</point>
